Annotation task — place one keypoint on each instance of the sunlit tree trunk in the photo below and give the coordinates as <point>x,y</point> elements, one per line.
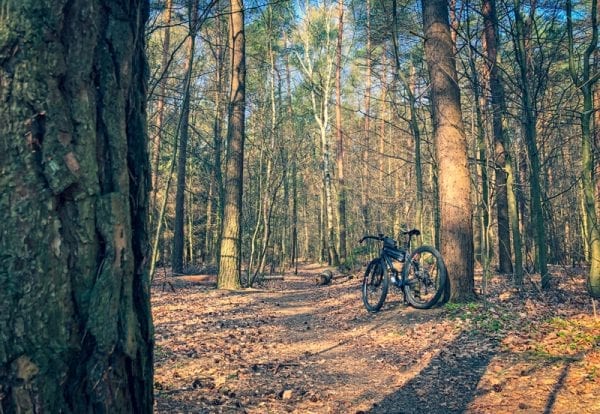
<point>75,323</point>
<point>320,80</point>
<point>340,135</point>
<point>366,158</point>
<point>450,140</point>
<point>596,125</point>
<point>589,181</point>
<point>231,241</point>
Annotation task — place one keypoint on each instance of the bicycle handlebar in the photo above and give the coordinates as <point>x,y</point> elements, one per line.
<point>381,237</point>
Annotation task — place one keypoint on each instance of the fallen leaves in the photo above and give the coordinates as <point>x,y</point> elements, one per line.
<point>291,347</point>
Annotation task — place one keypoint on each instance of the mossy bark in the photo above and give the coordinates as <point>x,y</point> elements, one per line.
<point>75,324</point>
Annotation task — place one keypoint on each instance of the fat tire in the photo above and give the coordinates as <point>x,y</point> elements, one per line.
<point>440,275</point>
<point>376,277</point>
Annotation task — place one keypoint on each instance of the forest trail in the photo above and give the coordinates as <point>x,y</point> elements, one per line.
<point>291,346</point>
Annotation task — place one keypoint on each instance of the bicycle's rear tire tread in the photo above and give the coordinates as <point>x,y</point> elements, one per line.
<point>443,278</point>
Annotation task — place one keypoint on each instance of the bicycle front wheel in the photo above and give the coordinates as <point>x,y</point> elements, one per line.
<point>375,285</point>
<point>424,276</point>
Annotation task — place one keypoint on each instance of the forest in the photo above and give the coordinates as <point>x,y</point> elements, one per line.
<point>340,140</point>
<point>186,186</point>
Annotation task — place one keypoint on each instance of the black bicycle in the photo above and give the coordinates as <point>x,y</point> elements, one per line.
<point>420,273</point>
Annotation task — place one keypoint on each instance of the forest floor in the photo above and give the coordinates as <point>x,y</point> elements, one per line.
<point>292,346</point>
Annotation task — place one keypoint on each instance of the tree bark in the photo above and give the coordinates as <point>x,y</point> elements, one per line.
<point>230,261</point>
<point>365,179</point>
<point>502,157</point>
<point>75,322</point>
<point>340,136</point>
<point>451,150</point>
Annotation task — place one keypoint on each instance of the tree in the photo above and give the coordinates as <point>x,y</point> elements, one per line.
<point>184,132</point>
<point>339,156</point>
<point>230,261</point>
<point>160,109</point>
<point>317,65</point>
<point>506,202</point>
<point>529,119</point>
<point>450,140</point>
<point>75,323</point>
<point>589,181</point>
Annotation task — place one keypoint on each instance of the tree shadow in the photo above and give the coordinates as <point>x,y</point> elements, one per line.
<point>449,382</point>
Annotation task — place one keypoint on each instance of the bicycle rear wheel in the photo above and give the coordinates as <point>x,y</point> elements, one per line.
<point>425,277</point>
<point>375,285</point>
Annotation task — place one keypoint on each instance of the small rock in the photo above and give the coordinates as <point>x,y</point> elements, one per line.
<point>286,395</point>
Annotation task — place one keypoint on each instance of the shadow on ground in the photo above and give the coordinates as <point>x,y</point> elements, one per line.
<point>448,384</point>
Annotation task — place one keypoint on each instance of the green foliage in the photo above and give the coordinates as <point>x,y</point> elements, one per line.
<point>479,317</point>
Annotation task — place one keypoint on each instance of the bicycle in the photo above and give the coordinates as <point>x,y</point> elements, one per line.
<point>420,273</point>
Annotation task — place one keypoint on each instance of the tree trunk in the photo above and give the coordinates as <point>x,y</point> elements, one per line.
<point>451,150</point>
<point>589,181</point>
<point>530,135</point>
<point>294,167</point>
<point>365,161</point>
<point>482,162</point>
<point>160,110</point>
<point>215,204</point>
<point>75,322</point>
<point>231,241</point>
<point>410,88</point>
<point>340,135</point>
<point>178,230</point>
<point>502,157</point>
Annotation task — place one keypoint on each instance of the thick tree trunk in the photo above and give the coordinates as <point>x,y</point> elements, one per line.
<point>230,261</point>
<point>75,323</point>
<point>450,140</point>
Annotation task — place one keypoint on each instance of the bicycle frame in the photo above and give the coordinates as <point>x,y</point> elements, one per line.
<point>421,273</point>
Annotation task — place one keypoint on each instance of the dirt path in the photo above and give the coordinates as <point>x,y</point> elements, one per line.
<point>295,347</point>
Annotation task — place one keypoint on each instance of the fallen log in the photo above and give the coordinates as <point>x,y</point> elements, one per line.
<point>273,277</point>
<point>326,277</point>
